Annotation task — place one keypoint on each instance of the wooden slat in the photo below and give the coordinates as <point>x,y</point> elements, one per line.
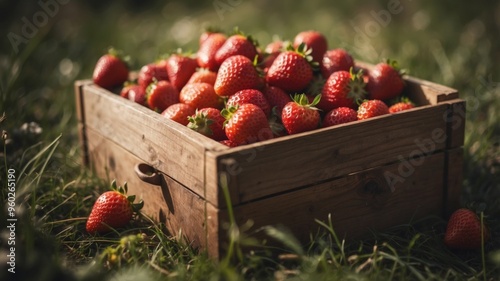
<point>279,165</point>
<point>454,171</point>
<point>182,211</point>
<point>456,123</point>
<point>425,92</point>
<point>166,145</point>
<point>358,202</point>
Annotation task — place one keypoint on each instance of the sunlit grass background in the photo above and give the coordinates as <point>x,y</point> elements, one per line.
<point>455,43</point>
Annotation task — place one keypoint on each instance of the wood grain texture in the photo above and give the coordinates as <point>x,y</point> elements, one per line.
<point>283,164</point>
<point>453,179</point>
<point>456,123</point>
<point>358,202</point>
<point>165,145</point>
<point>182,211</point>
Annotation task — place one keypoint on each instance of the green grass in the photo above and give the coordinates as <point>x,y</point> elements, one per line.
<point>54,193</point>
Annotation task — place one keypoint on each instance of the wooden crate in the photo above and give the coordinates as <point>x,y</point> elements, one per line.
<point>369,175</point>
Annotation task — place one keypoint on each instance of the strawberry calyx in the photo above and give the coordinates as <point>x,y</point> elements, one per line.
<point>357,91</point>
<point>130,198</point>
<point>228,112</point>
<point>304,51</point>
<point>237,31</point>
<point>395,65</point>
<point>303,100</point>
<point>201,123</point>
<point>119,54</point>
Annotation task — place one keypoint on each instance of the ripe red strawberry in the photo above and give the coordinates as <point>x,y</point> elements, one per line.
<point>138,94</point>
<point>277,98</point>
<point>208,122</point>
<point>112,209</point>
<point>111,70</point>
<point>246,124</point>
<point>126,88</point>
<point>203,75</point>
<point>335,60</point>
<point>250,96</point>
<point>206,53</point>
<point>209,31</point>
<point>404,104</point>
<point>314,40</point>
<point>274,47</point>
<point>300,116</point>
<point>237,73</point>
<point>385,81</point>
<point>237,44</point>
<point>339,115</point>
<point>372,108</point>
<point>291,70</point>
<point>342,89</point>
<point>200,95</point>
<point>271,52</point>
<point>151,71</point>
<point>161,95</point>
<point>179,112</point>
<point>180,67</point>
<point>464,230</point>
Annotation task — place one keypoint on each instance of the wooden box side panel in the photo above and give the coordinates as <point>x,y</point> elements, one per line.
<point>273,167</point>
<point>374,199</point>
<point>163,144</point>
<point>171,203</point>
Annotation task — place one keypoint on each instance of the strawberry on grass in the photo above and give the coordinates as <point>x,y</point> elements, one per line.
<point>464,230</point>
<point>112,209</point>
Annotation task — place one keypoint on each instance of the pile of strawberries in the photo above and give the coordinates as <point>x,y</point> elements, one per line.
<point>237,93</point>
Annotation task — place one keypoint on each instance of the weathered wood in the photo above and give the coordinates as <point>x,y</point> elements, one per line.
<point>182,211</point>
<point>165,145</point>
<point>358,202</point>
<point>455,118</point>
<point>282,164</point>
<point>453,180</point>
